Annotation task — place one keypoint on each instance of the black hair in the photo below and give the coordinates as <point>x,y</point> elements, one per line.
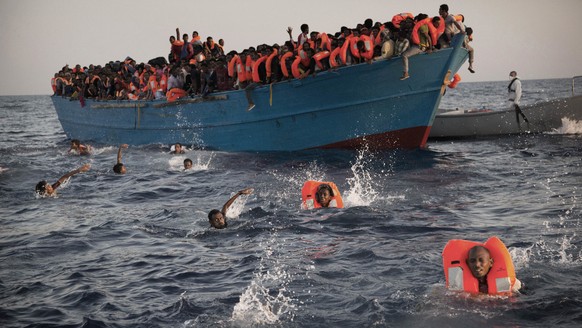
<point>320,189</point>
<point>469,31</point>
<point>117,168</point>
<point>304,27</point>
<point>75,142</point>
<point>212,213</point>
<point>187,160</point>
<point>41,187</point>
<point>368,23</point>
<point>444,7</point>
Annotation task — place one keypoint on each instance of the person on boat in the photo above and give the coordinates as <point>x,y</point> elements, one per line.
<point>217,218</point>
<point>43,188</point>
<point>187,164</point>
<point>178,149</point>
<point>79,148</point>
<point>425,43</point>
<point>402,44</point>
<point>187,50</point>
<point>452,27</point>
<point>514,90</point>
<point>302,38</point>
<point>175,47</point>
<point>480,262</point>
<point>119,168</point>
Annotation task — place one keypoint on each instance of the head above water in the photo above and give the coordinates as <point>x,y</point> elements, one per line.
<point>324,194</point>
<point>119,168</point>
<point>217,219</point>
<point>479,261</point>
<point>43,188</point>
<point>187,164</point>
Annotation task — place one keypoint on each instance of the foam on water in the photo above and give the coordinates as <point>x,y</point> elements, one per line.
<point>568,127</point>
<point>199,163</point>
<point>267,300</point>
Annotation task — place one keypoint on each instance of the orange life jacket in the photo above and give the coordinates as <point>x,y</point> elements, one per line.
<point>354,46</point>
<point>240,70</point>
<point>270,61</point>
<point>164,83</point>
<point>325,41</point>
<point>54,84</point>
<point>132,96</point>
<point>319,57</point>
<point>309,201</point>
<point>255,73</point>
<point>455,81</point>
<point>295,68</point>
<point>501,276</point>
<point>396,19</point>
<point>432,31</point>
<point>231,65</point>
<point>283,64</point>
<point>249,68</point>
<point>368,52</point>
<point>333,62</point>
<point>175,94</point>
<point>345,49</point>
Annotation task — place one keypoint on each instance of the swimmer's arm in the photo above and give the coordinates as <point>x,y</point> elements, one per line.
<point>83,168</point>
<point>119,152</point>
<point>233,198</point>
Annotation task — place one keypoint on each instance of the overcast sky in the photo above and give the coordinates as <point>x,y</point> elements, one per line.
<point>540,39</point>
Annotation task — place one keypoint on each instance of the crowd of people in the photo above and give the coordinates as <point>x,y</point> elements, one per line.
<point>197,68</point>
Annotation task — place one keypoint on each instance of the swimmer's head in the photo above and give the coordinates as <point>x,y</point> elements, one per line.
<point>479,261</point>
<point>217,219</point>
<point>187,164</point>
<point>119,168</point>
<point>324,194</point>
<point>41,187</point>
<point>75,143</point>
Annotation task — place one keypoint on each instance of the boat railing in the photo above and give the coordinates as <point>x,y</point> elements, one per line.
<point>573,79</point>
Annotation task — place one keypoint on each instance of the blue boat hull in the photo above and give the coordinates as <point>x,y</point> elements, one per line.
<point>344,108</point>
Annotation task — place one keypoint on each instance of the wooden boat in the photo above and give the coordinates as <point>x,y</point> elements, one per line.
<point>344,108</point>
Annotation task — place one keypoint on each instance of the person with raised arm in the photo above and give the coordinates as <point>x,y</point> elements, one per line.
<point>43,188</point>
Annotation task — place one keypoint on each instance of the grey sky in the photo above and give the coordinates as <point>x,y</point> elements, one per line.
<point>539,39</point>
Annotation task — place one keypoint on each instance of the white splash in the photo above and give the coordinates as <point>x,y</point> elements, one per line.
<point>237,207</point>
<point>200,163</point>
<point>568,127</point>
<point>266,300</point>
<point>361,191</point>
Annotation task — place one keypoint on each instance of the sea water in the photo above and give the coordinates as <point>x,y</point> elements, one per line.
<point>137,250</point>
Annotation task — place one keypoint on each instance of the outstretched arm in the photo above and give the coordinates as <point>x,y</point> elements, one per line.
<point>119,152</point>
<point>233,198</point>
<point>83,168</point>
<point>177,34</point>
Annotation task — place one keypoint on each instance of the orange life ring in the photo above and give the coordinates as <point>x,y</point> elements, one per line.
<point>309,190</point>
<point>501,276</point>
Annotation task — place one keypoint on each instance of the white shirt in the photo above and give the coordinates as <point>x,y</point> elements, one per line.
<point>515,91</point>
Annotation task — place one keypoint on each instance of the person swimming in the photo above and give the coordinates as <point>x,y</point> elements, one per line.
<point>187,164</point>
<point>119,168</point>
<point>79,148</point>
<point>217,218</point>
<point>43,188</point>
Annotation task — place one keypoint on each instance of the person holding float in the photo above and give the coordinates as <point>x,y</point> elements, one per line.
<point>316,194</point>
<point>476,267</point>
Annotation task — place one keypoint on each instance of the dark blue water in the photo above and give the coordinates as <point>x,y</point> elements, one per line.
<point>137,250</point>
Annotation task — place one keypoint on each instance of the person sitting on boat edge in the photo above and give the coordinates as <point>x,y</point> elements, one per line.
<point>187,164</point>
<point>79,148</point>
<point>43,188</point>
<point>423,40</point>
<point>119,168</point>
<point>217,218</point>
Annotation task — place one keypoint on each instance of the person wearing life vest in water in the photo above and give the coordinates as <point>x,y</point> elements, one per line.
<point>317,194</point>
<point>479,267</point>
